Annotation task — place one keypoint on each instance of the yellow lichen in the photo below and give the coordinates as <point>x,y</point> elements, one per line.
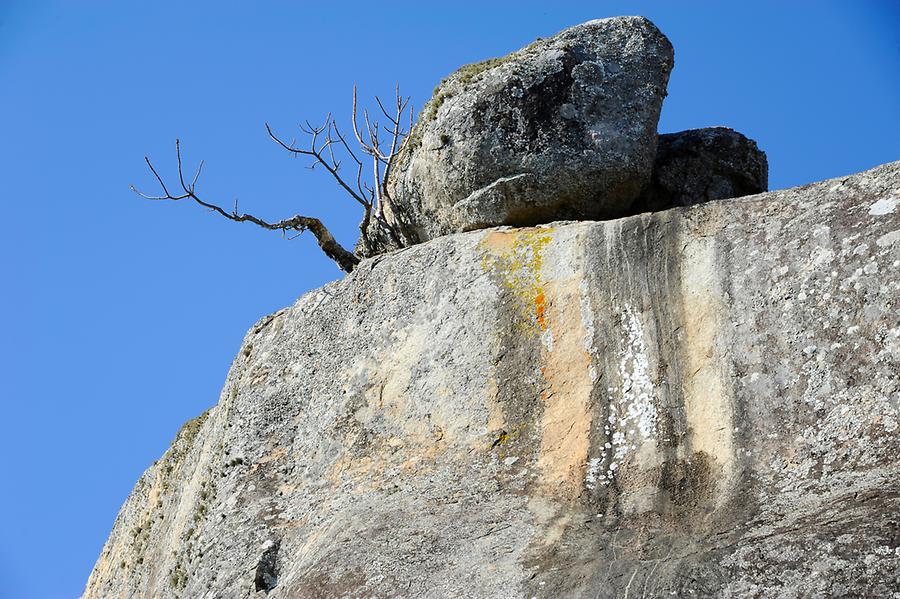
<point>516,257</point>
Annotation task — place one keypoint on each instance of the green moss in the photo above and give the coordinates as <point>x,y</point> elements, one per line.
<point>465,75</point>
<point>184,441</point>
<point>178,576</point>
<point>207,492</point>
<point>451,85</point>
<point>188,431</point>
<point>446,89</point>
<point>500,440</point>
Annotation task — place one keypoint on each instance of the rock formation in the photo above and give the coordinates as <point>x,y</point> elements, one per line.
<point>691,403</point>
<point>696,401</point>
<point>562,129</point>
<point>701,165</point>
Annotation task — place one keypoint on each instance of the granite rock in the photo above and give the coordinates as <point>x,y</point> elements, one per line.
<point>700,165</point>
<point>700,402</point>
<point>562,129</point>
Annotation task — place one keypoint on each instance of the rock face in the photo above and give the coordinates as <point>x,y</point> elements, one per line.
<point>701,165</point>
<point>701,402</point>
<point>562,129</point>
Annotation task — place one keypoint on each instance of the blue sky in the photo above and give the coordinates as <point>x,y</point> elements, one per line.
<point>121,316</point>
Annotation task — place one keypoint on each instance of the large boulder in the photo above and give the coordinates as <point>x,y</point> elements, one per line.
<point>700,165</point>
<point>701,402</point>
<point>562,129</point>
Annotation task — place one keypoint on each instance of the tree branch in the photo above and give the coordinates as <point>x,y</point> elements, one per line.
<point>345,260</point>
<point>329,148</point>
<point>316,153</point>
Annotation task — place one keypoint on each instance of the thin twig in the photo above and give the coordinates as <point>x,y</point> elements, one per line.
<point>344,259</point>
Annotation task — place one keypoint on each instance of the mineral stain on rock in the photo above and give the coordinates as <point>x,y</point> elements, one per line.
<point>566,420</point>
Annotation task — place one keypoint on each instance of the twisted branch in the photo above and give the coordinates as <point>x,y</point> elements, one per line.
<point>369,192</point>
<point>345,260</point>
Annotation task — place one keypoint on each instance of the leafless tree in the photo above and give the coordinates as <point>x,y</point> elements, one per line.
<point>328,147</point>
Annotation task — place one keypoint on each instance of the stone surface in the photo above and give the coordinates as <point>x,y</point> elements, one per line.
<point>701,402</point>
<point>562,129</point>
<point>701,165</point>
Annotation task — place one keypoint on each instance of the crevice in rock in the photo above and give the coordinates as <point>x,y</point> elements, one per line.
<point>479,193</point>
<point>266,577</point>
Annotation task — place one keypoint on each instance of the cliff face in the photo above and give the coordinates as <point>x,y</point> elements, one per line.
<point>696,402</point>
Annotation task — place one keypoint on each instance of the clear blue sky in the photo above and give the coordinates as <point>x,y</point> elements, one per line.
<point>121,316</point>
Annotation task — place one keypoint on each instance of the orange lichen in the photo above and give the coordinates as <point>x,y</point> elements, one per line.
<point>539,310</point>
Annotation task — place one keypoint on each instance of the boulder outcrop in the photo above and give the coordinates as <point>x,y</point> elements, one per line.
<point>700,402</point>
<point>562,129</point>
<point>701,165</point>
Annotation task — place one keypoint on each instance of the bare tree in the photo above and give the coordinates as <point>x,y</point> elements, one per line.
<point>328,148</point>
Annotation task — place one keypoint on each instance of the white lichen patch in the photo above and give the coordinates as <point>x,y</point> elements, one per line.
<point>638,389</point>
<point>884,206</point>
<point>632,407</point>
<point>888,239</point>
<point>847,408</point>
<point>547,340</point>
<point>593,471</point>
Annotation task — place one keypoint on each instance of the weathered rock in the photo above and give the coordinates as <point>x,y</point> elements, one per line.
<point>691,403</point>
<point>562,129</point>
<point>701,165</point>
